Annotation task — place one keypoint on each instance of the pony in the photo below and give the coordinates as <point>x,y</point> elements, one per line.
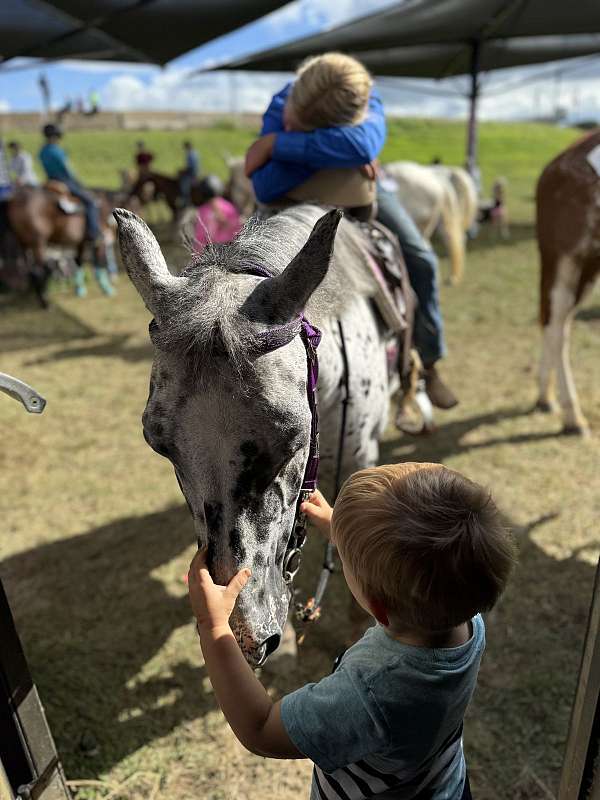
<point>568,236</point>
<point>233,419</point>
<point>36,220</point>
<point>167,189</point>
<point>429,194</point>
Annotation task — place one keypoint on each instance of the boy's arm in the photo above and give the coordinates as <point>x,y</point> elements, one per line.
<point>252,715</point>
<point>273,116</point>
<point>276,178</point>
<point>345,146</point>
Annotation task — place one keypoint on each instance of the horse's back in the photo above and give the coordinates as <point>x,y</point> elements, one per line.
<point>568,200</point>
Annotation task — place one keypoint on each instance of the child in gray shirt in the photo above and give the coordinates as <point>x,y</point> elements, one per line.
<point>424,551</point>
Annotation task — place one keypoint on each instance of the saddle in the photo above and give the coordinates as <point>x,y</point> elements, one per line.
<point>64,199</point>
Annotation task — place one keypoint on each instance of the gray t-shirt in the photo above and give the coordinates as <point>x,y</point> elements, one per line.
<point>388,722</point>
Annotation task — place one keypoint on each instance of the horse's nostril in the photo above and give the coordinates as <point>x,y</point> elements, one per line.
<point>271,644</point>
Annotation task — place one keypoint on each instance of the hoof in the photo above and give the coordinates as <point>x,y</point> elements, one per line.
<point>577,430</point>
<point>80,291</point>
<point>545,406</point>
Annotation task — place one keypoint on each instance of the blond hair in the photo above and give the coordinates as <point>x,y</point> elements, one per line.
<point>330,90</point>
<point>425,541</point>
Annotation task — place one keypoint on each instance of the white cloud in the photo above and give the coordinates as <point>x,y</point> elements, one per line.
<point>4,107</point>
<point>174,89</point>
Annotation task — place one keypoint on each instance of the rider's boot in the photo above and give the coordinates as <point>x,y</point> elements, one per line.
<point>101,272</point>
<point>440,394</point>
<point>101,275</point>
<point>79,280</point>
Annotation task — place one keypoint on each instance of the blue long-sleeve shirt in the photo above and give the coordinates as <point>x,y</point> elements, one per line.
<point>55,163</point>
<point>297,155</point>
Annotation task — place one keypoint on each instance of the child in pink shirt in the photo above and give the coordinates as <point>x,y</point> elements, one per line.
<point>218,220</point>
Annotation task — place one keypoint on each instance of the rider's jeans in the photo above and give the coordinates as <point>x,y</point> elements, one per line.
<point>422,268</point>
<point>92,218</point>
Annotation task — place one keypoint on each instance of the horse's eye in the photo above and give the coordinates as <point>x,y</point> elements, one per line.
<point>153,327</point>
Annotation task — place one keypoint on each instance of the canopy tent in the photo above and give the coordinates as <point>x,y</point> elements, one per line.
<point>441,38</point>
<point>149,31</point>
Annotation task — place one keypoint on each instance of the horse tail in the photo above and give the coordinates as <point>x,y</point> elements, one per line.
<point>466,194</point>
<point>453,233</point>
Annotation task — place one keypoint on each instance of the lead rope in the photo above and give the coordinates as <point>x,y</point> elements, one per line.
<point>312,610</point>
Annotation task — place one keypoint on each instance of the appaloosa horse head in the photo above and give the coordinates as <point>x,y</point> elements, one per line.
<point>231,414</point>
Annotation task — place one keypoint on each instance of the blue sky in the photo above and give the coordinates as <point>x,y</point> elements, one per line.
<point>126,86</point>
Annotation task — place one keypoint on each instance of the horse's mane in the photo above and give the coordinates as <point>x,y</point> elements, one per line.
<point>206,316</point>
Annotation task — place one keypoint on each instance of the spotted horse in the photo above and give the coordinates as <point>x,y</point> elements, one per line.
<point>231,414</point>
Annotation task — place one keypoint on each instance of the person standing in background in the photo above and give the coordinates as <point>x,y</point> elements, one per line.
<point>21,166</point>
<point>189,173</point>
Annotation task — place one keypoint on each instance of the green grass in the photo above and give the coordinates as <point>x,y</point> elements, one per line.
<point>517,151</point>
<point>96,537</point>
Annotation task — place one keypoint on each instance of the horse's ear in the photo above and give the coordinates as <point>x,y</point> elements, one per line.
<point>290,291</point>
<point>145,263</point>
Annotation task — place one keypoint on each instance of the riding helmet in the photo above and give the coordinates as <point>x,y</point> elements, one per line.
<point>51,130</point>
<point>211,186</point>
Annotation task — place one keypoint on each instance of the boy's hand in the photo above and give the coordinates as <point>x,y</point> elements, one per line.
<point>212,604</point>
<point>259,153</point>
<point>319,512</point>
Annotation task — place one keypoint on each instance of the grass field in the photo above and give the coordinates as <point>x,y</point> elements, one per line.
<point>95,535</point>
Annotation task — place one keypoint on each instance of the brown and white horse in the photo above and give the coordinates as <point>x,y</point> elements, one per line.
<point>568,233</point>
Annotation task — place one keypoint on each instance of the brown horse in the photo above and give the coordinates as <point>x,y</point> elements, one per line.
<point>36,220</point>
<point>167,189</point>
<point>568,232</point>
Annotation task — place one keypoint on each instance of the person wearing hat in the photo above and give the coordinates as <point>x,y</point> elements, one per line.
<point>57,168</point>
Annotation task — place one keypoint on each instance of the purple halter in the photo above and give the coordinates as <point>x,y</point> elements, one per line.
<point>270,340</point>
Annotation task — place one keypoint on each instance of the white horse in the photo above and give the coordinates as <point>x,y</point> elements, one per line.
<point>232,416</point>
<point>438,198</point>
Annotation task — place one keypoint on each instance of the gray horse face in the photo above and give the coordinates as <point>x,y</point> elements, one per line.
<point>238,439</point>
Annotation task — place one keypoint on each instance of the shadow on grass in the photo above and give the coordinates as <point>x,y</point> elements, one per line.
<point>91,614</point>
<point>23,325</point>
<point>97,624</point>
<point>591,314</point>
<point>489,238</point>
<point>114,347</point>
<point>447,440</point>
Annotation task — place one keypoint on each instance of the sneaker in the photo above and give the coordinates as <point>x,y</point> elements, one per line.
<point>439,393</point>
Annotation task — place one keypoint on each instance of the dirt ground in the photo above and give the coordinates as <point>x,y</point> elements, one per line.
<point>95,539</point>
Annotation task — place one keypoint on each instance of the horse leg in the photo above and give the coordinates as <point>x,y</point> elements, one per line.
<point>39,273</point>
<point>556,344</point>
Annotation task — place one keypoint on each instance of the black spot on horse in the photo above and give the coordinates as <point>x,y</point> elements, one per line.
<point>157,429</point>
<point>235,545</point>
<point>261,595</point>
<point>255,475</point>
<point>259,560</point>
<point>213,513</point>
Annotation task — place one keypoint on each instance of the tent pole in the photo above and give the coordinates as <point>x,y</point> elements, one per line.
<point>473,97</point>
